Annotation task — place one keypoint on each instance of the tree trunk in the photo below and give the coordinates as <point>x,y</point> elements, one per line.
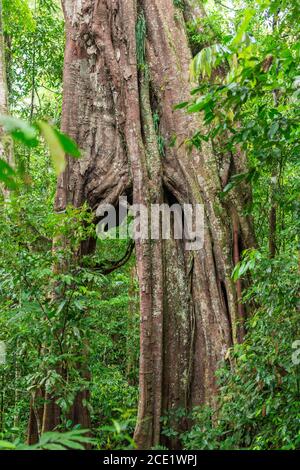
<point>125,63</point>
<point>35,416</point>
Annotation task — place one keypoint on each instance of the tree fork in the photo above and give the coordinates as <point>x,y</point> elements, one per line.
<point>188,302</point>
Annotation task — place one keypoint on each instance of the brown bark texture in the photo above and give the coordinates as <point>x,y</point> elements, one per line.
<point>127,61</point>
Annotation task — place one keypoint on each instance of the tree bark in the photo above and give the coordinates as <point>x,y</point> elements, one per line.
<point>117,77</point>
<point>6,148</point>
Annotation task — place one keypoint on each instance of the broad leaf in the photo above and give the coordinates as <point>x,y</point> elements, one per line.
<point>56,149</point>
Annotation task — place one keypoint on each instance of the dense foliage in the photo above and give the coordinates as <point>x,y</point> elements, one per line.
<point>249,96</point>
<point>39,329</point>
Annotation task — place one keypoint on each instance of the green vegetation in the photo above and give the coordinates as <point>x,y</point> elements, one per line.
<point>246,65</point>
<point>254,109</point>
<point>31,320</point>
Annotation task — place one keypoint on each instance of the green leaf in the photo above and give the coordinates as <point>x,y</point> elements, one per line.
<point>116,425</point>
<point>19,130</point>
<point>71,444</point>
<point>47,437</point>
<point>227,188</point>
<point>181,105</point>
<point>248,15</point>
<point>68,144</point>
<point>61,306</point>
<point>76,432</point>
<point>273,129</point>
<point>204,62</point>
<point>7,445</point>
<point>7,175</point>
<point>54,446</point>
<point>56,149</point>
<point>200,104</point>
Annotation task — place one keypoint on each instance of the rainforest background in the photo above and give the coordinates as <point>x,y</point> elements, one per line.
<point>245,87</point>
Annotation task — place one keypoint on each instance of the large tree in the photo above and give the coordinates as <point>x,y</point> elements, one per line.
<point>126,66</point>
